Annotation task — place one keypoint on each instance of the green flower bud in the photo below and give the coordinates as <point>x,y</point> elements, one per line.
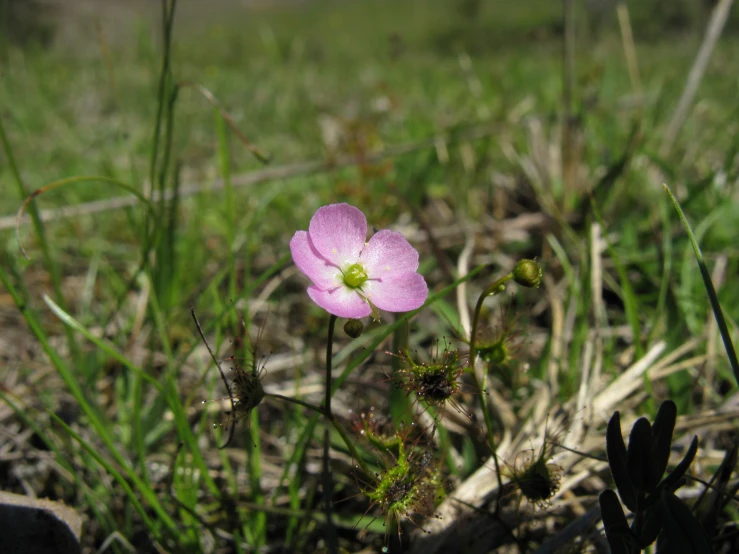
<point>353,327</point>
<point>527,273</point>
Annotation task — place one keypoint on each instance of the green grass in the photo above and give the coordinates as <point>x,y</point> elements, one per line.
<point>107,368</point>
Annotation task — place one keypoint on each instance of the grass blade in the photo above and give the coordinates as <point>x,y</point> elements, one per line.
<point>49,262</point>
<point>712,296</point>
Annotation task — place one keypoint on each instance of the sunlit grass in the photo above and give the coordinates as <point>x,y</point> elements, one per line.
<point>322,82</point>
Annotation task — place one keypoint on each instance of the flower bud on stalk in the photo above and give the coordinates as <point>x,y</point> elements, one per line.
<point>354,328</point>
<point>527,273</point>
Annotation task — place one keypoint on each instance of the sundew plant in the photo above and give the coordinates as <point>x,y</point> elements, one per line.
<point>427,276</point>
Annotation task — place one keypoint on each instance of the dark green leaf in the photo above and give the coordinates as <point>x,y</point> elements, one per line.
<point>671,482</point>
<point>647,524</point>
<point>683,533</point>
<point>664,425</point>
<point>616,451</point>
<point>639,461</point>
<point>619,536</point>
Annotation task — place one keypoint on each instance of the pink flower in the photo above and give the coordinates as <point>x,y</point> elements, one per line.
<point>350,275</point>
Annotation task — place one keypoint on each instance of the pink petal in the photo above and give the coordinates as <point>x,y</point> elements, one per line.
<point>388,255</point>
<point>340,301</point>
<point>397,294</point>
<point>323,274</point>
<point>338,233</point>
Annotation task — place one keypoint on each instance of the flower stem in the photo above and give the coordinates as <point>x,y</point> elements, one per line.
<point>329,355</point>
<point>332,543</point>
<point>328,487</point>
<point>496,288</point>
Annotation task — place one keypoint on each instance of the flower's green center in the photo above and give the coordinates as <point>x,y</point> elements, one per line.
<point>355,276</point>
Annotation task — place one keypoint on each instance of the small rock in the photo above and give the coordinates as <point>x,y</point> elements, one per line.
<point>32,525</point>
